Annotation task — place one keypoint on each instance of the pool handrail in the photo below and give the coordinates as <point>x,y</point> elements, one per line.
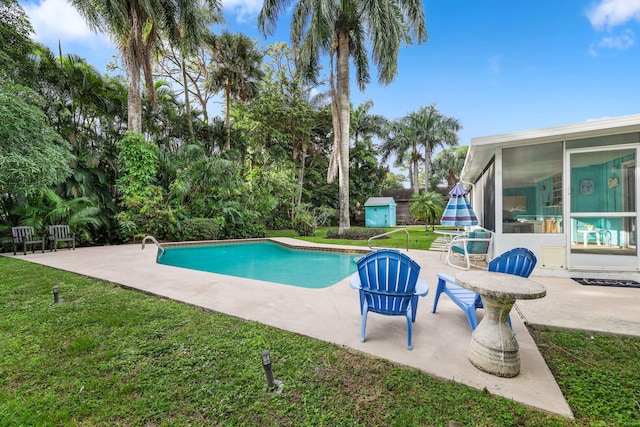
<point>387,233</point>
<point>153,239</point>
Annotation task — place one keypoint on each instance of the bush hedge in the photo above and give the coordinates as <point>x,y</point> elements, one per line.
<point>202,229</point>
<point>304,223</point>
<point>355,233</point>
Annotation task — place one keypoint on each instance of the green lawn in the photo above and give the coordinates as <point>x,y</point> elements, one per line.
<point>110,356</point>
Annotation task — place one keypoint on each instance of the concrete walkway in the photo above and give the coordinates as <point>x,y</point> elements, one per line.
<point>331,314</point>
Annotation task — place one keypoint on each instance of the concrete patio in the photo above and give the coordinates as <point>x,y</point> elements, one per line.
<point>331,314</point>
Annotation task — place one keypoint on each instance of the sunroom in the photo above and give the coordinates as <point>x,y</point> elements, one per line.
<point>569,193</point>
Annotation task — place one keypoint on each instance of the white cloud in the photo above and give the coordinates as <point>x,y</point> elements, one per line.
<point>608,14</point>
<point>57,20</point>
<point>611,13</point>
<point>622,42</point>
<point>617,42</point>
<point>245,10</point>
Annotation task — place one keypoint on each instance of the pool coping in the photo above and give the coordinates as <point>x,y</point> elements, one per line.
<point>350,250</point>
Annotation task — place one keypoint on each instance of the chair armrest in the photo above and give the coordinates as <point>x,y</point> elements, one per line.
<point>354,282</point>
<point>447,278</point>
<point>422,288</point>
<point>458,238</point>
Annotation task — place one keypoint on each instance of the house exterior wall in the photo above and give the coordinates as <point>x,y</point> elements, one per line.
<point>580,190</point>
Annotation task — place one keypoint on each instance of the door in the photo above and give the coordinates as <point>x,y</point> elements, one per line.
<point>602,212</point>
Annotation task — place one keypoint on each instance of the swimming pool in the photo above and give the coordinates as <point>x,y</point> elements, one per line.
<point>265,260</point>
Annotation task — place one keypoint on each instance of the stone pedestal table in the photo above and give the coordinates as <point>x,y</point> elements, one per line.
<point>494,348</point>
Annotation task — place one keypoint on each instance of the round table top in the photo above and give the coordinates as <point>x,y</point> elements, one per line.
<point>450,232</point>
<point>500,285</point>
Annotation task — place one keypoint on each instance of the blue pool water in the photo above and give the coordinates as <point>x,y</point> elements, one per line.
<point>266,261</point>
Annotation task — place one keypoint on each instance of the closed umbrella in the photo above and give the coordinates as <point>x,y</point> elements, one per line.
<point>458,211</point>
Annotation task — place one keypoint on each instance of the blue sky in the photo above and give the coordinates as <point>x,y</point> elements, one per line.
<point>496,65</point>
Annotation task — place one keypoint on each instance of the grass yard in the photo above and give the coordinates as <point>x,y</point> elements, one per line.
<point>110,356</point>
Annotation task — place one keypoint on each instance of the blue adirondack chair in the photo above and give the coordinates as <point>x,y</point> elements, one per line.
<point>388,284</point>
<point>517,261</point>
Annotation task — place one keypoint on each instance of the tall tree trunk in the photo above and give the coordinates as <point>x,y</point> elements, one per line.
<point>451,178</point>
<point>134,101</point>
<point>427,167</point>
<point>415,183</point>
<point>227,116</point>
<point>345,107</point>
<point>187,104</point>
<point>301,171</point>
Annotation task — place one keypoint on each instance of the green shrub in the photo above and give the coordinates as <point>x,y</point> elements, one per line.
<point>202,229</point>
<point>304,223</point>
<point>248,224</point>
<point>355,233</point>
<point>325,215</point>
<point>147,213</point>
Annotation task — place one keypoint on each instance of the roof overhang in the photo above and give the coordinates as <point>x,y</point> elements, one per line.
<point>483,149</point>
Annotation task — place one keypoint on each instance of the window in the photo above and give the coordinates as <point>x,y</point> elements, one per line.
<point>532,189</point>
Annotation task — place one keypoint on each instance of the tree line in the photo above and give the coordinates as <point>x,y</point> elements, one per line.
<point>117,158</point>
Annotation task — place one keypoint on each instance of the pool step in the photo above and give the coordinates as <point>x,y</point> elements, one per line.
<point>439,245</point>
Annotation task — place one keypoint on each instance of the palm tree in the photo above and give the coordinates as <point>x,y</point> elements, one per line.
<point>47,208</point>
<point>236,63</point>
<point>139,27</point>
<point>367,125</point>
<point>432,130</point>
<point>448,164</point>
<point>402,143</point>
<point>343,29</point>
<point>427,207</point>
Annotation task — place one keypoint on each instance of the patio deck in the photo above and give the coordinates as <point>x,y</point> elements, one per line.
<point>440,340</point>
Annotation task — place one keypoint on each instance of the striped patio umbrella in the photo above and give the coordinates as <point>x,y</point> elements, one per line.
<point>458,211</point>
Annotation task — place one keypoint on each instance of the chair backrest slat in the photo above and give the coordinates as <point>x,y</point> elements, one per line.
<point>517,261</point>
<point>60,231</point>
<point>388,280</point>
<point>22,233</point>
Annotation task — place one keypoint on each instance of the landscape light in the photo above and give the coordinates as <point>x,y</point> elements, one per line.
<point>266,364</point>
<point>56,291</point>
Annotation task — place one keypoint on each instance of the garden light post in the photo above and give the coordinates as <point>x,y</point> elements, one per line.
<point>266,364</point>
<point>56,291</point>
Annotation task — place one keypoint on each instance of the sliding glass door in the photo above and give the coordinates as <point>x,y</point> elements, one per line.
<point>601,230</point>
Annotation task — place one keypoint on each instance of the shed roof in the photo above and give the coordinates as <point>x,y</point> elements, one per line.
<point>380,201</point>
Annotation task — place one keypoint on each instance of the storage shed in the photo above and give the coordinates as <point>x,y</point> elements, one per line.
<point>380,212</point>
